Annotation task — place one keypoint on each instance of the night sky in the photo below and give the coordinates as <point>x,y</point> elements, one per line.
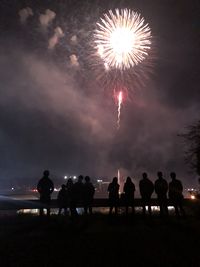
<point>57,114</point>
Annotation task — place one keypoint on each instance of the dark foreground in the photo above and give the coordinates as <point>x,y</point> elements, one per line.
<point>99,241</point>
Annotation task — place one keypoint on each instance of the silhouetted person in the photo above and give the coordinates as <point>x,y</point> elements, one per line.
<point>62,200</point>
<point>45,188</point>
<point>146,190</point>
<point>77,194</point>
<point>176,194</point>
<point>161,188</point>
<point>113,189</point>
<point>69,189</point>
<point>88,195</point>
<point>129,191</point>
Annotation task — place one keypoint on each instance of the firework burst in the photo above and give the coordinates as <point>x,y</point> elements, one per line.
<point>122,39</point>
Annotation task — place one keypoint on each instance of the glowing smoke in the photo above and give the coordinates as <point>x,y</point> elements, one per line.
<point>24,14</point>
<point>74,39</point>
<point>58,33</point>
<point>74,60</point>
<point>47,18</point>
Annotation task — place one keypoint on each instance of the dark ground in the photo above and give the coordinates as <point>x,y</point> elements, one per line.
<point>26,240</point>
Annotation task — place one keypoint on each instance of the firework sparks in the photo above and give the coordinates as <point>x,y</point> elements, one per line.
<point>118,177</point>
<point>119,98</point>
<point>122,39</point>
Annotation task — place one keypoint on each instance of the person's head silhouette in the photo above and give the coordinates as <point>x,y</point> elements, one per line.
<point>144,175</point>
<point>160,175</point>
<point>128,179</point>
<point>80,178</point>
<point>69,181</point>
<point>87,178</point>
<point>46,173</point>
<point>173,175</point>
<point>115,180</point>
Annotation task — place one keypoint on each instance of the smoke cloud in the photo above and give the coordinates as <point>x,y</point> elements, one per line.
<point>47,18</point>
<point>74,60</point>
<point>24,14</point>
<point>58,33</point>
<point>74,39</point>
<point>55,115</point>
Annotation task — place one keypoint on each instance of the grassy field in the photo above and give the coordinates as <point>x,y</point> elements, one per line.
<point>99,240</point>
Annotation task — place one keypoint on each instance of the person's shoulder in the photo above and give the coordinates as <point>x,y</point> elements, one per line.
<point>179,181</point>
<point>41,180</point>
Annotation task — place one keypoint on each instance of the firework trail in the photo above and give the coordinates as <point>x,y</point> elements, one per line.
<point>119,98</point>
<point>118,177</point>
<point>122,41</point>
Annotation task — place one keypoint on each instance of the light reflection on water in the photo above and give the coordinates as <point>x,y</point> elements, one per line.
<point>121,210</point>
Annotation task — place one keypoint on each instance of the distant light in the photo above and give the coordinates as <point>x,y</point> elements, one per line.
<point>74,177</point>
<point>34,190</point>
<point>99,181</point>
<point>12,188</point>
<point>193,197</point>
<point>190,189</point>
<point>65,177</point>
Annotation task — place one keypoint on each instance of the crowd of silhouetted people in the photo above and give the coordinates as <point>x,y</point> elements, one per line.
<point>147,187</point>
<point>81,194</point>
<point>70,195</point>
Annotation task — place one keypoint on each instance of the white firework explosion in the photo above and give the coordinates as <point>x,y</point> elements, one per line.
<point>122,39</point>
